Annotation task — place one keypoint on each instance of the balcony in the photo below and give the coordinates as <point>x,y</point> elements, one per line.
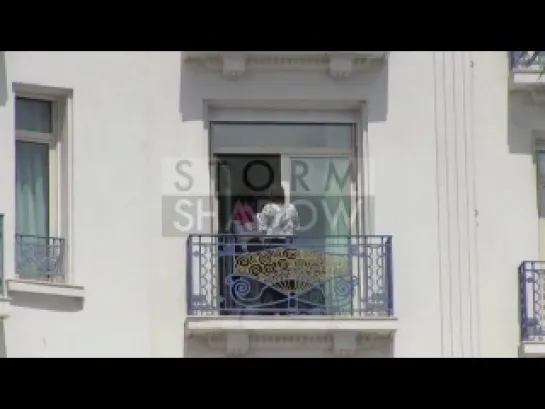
<point>527,72</point>
<point>532,307</point>
<point>328,284</point>
<point>39,258</point>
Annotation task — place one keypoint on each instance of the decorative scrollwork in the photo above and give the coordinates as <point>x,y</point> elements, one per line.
<point>532,303</point>
<point>39,258</point>
<point>345,275</point>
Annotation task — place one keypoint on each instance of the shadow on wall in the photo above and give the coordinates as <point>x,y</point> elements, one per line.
<point>198,84</point>
<point>46,302</point>
<point>3,79</point>
<point>526,123</point>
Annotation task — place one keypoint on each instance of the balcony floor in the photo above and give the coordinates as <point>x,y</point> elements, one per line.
<point>275,324</point>
<point>533,349</point>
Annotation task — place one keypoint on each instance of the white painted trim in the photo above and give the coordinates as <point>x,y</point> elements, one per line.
<point>46,288</point>
<point>539,149</point>
<point>533,349</point>
<point>66,192</point>
<point>38,91</point>
<point>277,324</point>
<point>364,187</point>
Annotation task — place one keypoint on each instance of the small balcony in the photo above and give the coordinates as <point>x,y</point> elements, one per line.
<point>39,258</point>
<point>331,283</point>
<point>532,307</point>
<point>527,70</point>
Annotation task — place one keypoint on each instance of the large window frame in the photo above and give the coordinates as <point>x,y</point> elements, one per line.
<point>360,185</point>
<point>52,141</point>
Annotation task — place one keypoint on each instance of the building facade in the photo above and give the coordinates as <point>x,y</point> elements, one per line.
<point>443,191</point>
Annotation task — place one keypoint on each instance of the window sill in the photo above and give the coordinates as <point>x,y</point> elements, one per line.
<point>45,288</point>
<point>533,349</point>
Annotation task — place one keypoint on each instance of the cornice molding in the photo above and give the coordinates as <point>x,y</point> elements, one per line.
<point>339,64</point>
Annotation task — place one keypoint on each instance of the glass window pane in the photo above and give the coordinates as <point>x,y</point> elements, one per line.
<point>32,188</point>
<point>33,115</point>
<point>320,189</point>
<point>237,135</point>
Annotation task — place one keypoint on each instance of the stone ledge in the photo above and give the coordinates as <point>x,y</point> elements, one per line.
<point>238,334</point>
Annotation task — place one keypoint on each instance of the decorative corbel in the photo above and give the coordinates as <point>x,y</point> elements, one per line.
<point>238,344</point>
<point>234,66</point>
<point>344,343</point>
<point>340,66</point>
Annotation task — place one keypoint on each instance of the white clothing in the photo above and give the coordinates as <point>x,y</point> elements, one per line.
<point>278,220</point>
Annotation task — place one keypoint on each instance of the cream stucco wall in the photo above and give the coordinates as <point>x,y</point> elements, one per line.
<point>453,182</point>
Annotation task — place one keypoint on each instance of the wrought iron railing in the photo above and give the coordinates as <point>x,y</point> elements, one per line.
<point>532,300</point>
<point>39,258</point>
<point>527,60</point>
<point>330,275</point>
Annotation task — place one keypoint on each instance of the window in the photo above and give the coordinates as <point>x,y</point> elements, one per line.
<point>39,251</point>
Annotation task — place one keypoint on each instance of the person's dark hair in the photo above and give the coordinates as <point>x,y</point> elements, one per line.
<point>277,194</point>
<point>248,200</point>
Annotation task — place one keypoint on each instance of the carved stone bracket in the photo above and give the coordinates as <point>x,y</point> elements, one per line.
<point>344,344</point>
<point>234,66</point>
<point>339,64</point>
<point>237,344</point>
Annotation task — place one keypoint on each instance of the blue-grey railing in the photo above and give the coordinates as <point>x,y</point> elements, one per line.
<point>330,275</point>
<point>39,258</point>
<point>524,60</point>
<point>532,300</point>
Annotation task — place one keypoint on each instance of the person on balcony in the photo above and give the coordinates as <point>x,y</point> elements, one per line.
<point>245,224</point>
<point>278,220</point>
